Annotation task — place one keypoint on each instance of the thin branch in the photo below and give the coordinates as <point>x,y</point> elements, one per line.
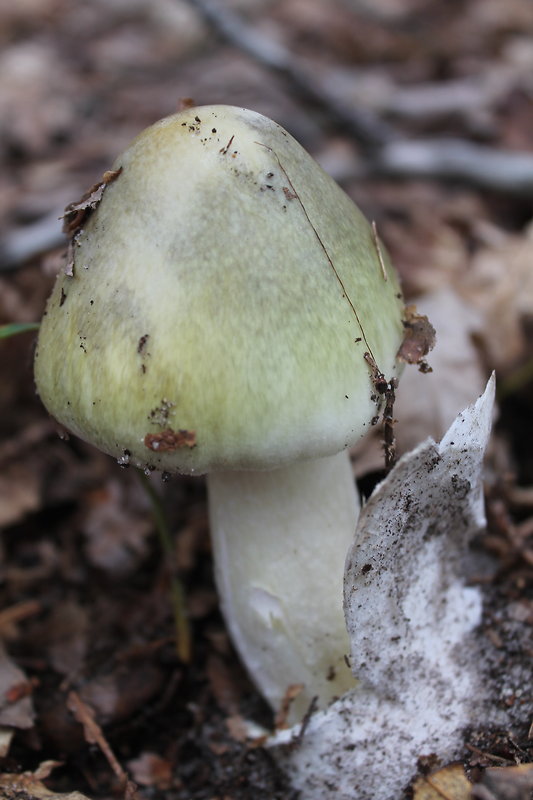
<point>391,16</point>
<point>387,154</point>
<point>370,132</point>
<point>457,160</point>
<point>472,99</point>
<point>27,242</point>
<point>93,733</point>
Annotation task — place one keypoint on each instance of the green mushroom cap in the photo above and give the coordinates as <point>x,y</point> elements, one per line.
<point>224,292</point>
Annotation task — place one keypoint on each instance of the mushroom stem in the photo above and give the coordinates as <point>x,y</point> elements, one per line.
<point>280,540</point>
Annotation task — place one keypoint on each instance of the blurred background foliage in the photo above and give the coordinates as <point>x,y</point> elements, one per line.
<point>422,110</point>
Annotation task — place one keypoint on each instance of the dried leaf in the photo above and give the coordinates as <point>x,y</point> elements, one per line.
<point>505,783</point>
<point>116,526</point>
<point>427,404</point>
<point>226,689</point>
<point>36,71</point>
<point>10,617</point>
<point>419,337</point>
<point>16,708</point>
<point>6,737</point>
<point>149,769</point>
<point>85,715</point>
<point>119,695</point>
<point>94,735</point>
<point>19,492</point>
<point>238,728</point>
<point>77,213</point>
<point>405,581</point>
<point>499,284</point>
<point>411,618</point>
<point>45,769</point>
<point>67,631</point>
<point>29,787</point>
<point>449,783</point>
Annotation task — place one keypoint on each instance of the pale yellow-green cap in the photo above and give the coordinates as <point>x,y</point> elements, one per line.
<point>223,295</point>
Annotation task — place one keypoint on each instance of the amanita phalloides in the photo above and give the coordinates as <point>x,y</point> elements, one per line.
<point>221,311</point>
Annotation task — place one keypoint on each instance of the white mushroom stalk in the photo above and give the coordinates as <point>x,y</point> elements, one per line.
<point>280,540</point>
<point>221,302</point>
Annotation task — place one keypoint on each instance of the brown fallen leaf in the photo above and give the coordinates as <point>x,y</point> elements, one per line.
<point>77,213</point>
<point>419,337</point>
<point>16,707</point>
<point>66,630</point>
<point>123,692</point>
<point>29,786</point>
<point>427,404</point>
<point>505,783</point>
<point>449,783</point>
<point>116,526</point>
<point>25,440</point>
<point>237,728</point>
<point>149,769</point>
<point>224,684</point>
<point>36,73</point>
<point>499,283</point>
<point>44,770</point>
<point>11,616</point>
<point>20,493</point>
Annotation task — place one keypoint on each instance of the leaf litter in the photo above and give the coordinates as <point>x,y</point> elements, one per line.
<point>413,621</point>
<point>63,125</point>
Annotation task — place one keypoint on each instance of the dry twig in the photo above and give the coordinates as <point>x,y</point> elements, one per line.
<point>387,153</point>
<point>457,160</point>
<point>368,130</point>
<point>93,733</point>
<point>25,243</point>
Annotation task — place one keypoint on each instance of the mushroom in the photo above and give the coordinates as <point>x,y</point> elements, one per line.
<point>221,311</point>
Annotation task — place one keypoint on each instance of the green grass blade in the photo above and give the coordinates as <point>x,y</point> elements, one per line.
<point>183,634</point>
<point>14,328</point>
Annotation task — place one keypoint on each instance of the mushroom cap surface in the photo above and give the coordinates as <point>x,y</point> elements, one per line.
<point>224,293</point>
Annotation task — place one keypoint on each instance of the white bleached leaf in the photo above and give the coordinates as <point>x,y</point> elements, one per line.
<point>405,577</point>
<point>410,616</point>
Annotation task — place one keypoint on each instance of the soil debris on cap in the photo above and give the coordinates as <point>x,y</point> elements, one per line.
<point>169,440</point>
<point>419,339</point>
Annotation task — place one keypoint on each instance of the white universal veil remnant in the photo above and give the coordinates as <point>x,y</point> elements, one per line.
<point>412,619</point>
<point>219,299</point>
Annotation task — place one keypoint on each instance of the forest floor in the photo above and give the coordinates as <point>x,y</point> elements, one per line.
<point>93,696</point>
